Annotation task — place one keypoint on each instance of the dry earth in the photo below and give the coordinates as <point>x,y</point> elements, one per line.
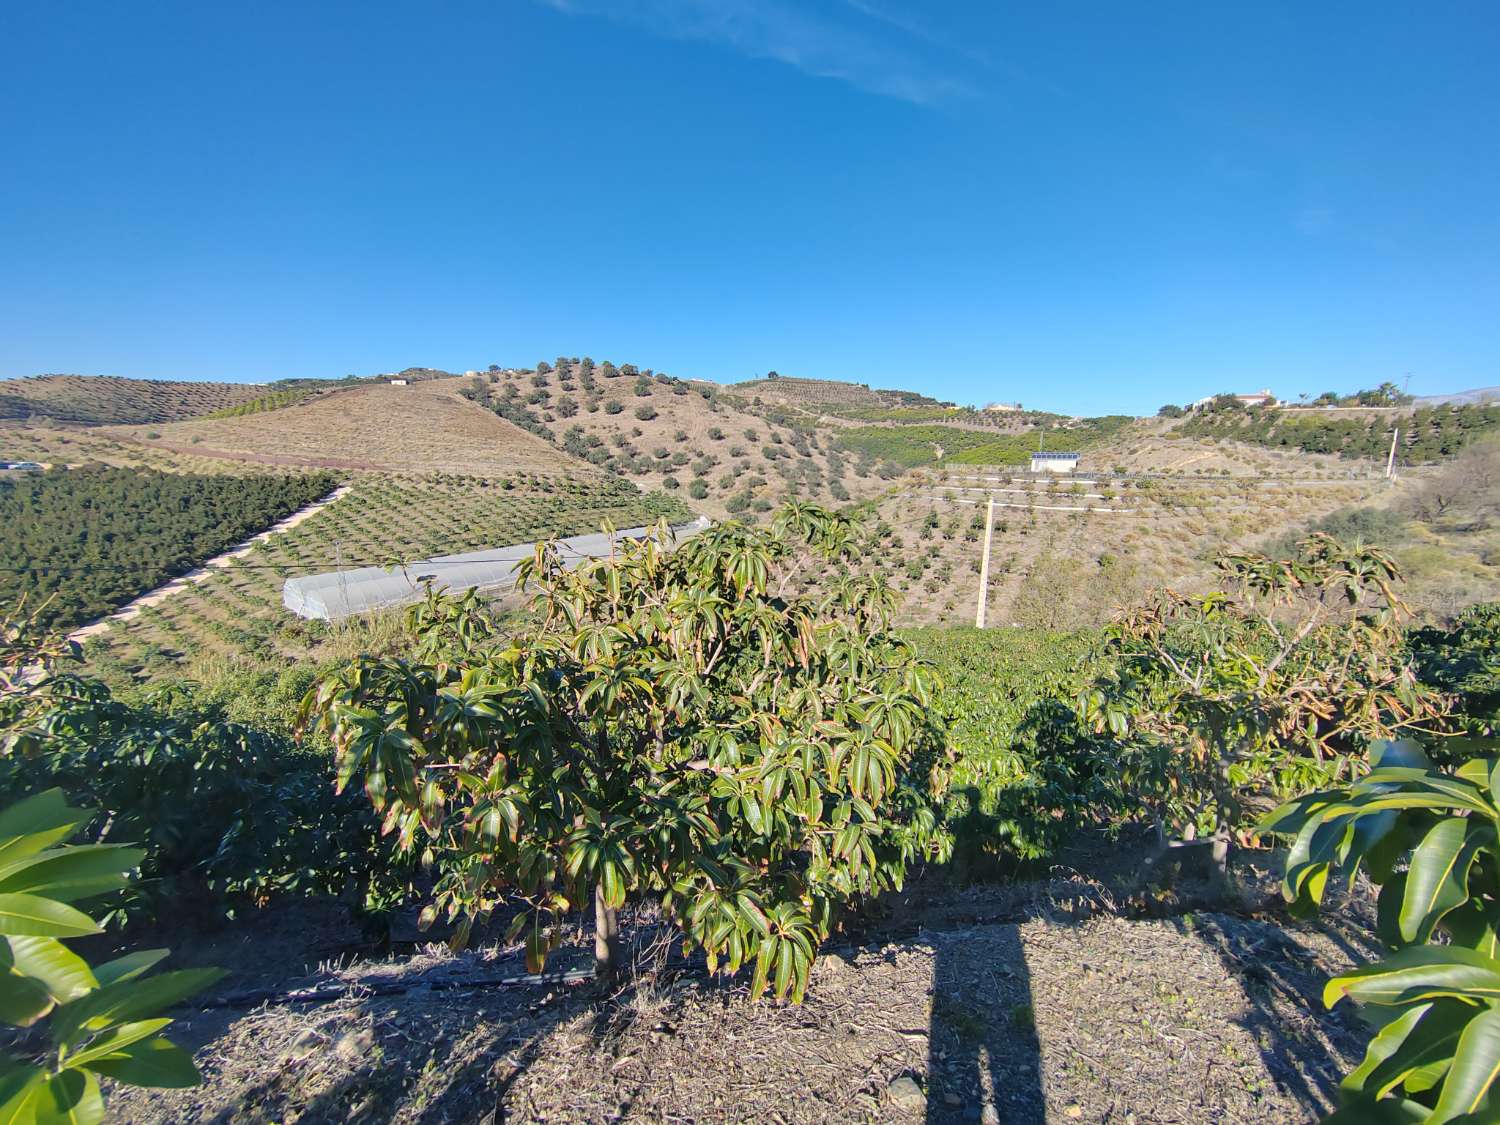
<point>1207,1017</point>
<point>426,426</point>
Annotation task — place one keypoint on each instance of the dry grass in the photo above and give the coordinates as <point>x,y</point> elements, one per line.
<point>423,427</point>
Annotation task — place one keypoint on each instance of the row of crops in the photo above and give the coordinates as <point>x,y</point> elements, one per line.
<point>80,543</point>
<point>1428,434</point>
<point>913,445</point>
<point>235,617</point>
<point>1018,747</point>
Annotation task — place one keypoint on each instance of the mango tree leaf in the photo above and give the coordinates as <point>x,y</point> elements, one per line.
<point>1417,1038</point>
<point>1438,879</point>
<point>70,1097</point>
<point>69,874</point>
<point>1419,973</point>
<point>116,1039</point>
<point>23,1001</point>
<point>20,1086</point>
<point>1476,1064</point>
<point>64,974</point>
<point>35,824</point>
<point>127,1000</point>
<point>45,917</point>
<point>156,1062</point>
<point>128,967</point>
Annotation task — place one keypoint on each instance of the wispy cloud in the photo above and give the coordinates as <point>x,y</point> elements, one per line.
<point>814,43</point>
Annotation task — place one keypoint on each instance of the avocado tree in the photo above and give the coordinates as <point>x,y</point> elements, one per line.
<point>674,723</point>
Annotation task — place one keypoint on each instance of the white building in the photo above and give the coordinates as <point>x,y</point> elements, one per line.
<point>1053,462</point>
<point>398,382</point>
<point>1001,407</point>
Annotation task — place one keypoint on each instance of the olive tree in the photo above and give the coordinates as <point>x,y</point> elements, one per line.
<point>674,723</point>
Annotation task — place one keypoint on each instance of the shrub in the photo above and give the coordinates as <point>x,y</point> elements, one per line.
<point>613,406</point>
<point>670,482</point>
<point>1224,701</point>
<point>225,813</point>
<point>754,806</point>
<point>698,489</point>
<point>645,413</point>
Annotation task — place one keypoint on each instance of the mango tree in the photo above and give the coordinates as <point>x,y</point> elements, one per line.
<point>1428,838</point>
<point>672,723</point>
<point>1224,702</point>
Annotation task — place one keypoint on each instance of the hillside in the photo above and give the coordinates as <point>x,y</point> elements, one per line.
<point>670,434</point>
<point>424,427</point>
<point>1460,398</point>
<point>1162,498</point>
<point>98,400</point>
<point>829,395</point>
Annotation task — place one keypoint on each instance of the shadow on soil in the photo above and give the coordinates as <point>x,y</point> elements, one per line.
<point>984,1061</point>
<point>1305,1049</point>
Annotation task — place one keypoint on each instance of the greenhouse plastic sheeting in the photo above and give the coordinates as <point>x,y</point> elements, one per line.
<point>343,593</point>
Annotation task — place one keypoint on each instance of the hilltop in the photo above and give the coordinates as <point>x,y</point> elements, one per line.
<point>1460,398</point>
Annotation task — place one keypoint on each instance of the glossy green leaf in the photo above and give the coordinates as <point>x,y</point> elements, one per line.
<point>153,1062</point>
<point>1438,878</point>
<point>45,917</point>
<point>1476,1064</point>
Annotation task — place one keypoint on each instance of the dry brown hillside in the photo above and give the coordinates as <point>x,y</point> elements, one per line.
<point>422,427</point>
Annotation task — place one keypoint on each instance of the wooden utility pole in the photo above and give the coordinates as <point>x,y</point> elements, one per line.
<point>1390,462</point>
<point>984,564</point>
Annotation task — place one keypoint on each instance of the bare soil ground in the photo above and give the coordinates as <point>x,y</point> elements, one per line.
<point>1070,1013</point>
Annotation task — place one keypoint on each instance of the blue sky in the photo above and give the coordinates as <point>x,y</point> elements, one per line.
<point>1087,206</point>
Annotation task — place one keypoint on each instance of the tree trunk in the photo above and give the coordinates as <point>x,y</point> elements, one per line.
<point>607,953</point>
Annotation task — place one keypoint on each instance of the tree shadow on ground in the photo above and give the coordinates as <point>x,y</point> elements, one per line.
<point>1305,1049</point>
<point>984,1059</point>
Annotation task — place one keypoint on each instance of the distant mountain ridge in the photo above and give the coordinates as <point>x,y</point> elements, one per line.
<point>1461,398</point>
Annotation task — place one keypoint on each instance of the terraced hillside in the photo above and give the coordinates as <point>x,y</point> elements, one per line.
<point>1423,435</point>
<point>1169,506</point>
<point>99,400</point>
<point>830,396</point>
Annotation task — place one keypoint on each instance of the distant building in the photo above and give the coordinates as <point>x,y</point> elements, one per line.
<point>398,382</point>
<point>1260,398</point>
<point>1001,407</point>
<point>1054,462</point>
<point>471,374</point>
